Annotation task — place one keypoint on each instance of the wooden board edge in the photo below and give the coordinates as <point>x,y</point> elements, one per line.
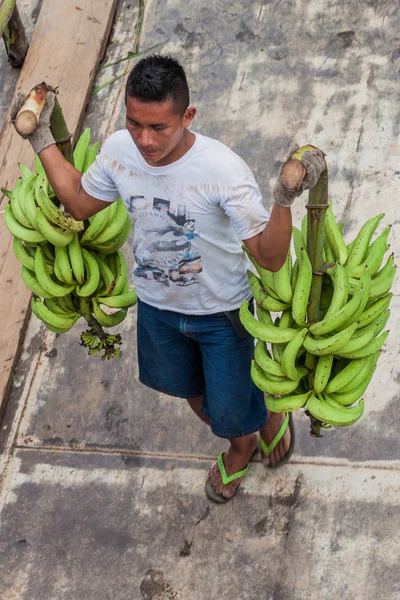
<point>6,378</point>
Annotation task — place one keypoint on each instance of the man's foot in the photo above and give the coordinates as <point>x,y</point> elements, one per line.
<point>234,462</point>
<point>268,434</point>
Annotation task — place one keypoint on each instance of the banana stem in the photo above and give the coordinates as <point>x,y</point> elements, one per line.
<point>60,132</point>
<point>85,311</point>
<point>28,116</point>
<point>316,212</point>
<point>12,29</point>
<point>315,429</point>
<point>6,10</point>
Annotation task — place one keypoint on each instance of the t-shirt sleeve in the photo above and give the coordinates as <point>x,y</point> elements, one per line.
<point>243,204</point>
<point>98,180</point>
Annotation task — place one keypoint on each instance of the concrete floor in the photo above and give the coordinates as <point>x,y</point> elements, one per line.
<point>102,479</point>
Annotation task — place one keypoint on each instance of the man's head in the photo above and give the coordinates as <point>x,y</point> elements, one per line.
<point>157,79</point>
<point>157,108</point>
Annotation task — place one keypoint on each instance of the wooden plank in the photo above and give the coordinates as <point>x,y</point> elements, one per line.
<point>68,41</point>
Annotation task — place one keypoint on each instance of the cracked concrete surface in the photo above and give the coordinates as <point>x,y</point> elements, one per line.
<point>102,479</point>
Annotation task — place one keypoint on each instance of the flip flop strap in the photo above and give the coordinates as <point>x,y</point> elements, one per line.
<point>268,449</point>
<point>225,478</point>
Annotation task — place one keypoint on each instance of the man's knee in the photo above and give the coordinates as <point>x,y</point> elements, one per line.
<point>194,402</point>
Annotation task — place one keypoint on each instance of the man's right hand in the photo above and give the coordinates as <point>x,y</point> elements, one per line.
<point>42,136</point>
<point>63,177</point>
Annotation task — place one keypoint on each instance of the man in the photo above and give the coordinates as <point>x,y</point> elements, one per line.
<point>192,202</point>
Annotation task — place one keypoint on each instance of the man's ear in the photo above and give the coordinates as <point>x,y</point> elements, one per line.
<point>189,115</point>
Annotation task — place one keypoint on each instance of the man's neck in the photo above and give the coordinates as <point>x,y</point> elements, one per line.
<point>184,146</point>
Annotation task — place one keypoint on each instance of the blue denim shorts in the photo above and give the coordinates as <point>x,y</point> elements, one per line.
<point>189,356</point>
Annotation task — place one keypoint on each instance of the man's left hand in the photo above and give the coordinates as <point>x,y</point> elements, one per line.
<point>314,163</point>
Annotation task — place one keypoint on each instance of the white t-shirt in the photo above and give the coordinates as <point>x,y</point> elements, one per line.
<point>189,217</point>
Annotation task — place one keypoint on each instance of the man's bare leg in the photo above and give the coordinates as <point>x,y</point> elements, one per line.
<point>268,433</point>
<point>236,459</point>
<point>195,404</point>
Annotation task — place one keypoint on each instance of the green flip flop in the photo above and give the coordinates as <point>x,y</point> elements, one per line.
<point>269,448</point>
<point>210,491</point>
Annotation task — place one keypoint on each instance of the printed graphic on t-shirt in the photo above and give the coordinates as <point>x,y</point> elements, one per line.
<point>163,247</point>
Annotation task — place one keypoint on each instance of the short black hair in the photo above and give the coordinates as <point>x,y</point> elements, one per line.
<point>157,78</point>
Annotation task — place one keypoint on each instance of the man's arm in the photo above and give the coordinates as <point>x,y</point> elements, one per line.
<point>66,182</point>
<point>270,247</point>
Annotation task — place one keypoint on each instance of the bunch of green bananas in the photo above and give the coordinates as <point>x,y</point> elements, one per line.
<point>72,267</point>
<point>346,340</point>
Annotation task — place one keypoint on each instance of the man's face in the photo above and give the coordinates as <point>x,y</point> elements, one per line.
<point>157,129</point>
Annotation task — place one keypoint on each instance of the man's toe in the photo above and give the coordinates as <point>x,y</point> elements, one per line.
<point>215,484</point>
<point>229,490</point>
<point>265,459</point>
<point>276,455</point>
<point>218,487</point>
<point>213,474</point>
<point>215,479</point>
